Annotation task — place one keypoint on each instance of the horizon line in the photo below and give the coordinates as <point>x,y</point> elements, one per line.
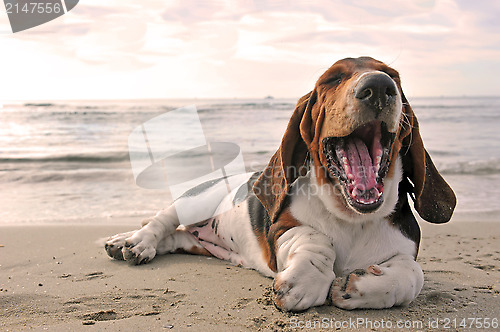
<point>269,98</point>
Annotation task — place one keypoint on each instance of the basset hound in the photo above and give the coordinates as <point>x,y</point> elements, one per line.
<point>329,218</point>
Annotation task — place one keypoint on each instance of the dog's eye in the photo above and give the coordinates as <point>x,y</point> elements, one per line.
<point>334,80</point>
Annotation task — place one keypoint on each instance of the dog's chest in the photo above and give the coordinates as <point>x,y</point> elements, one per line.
<point>357,245</point>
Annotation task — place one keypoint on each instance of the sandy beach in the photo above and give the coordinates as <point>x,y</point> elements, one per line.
<point>58,278</point>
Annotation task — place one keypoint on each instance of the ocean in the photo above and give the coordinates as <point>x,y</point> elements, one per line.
<point>68,162</point>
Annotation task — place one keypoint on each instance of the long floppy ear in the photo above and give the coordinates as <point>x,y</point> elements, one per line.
<point>434,199</point>
<point>273,185</point>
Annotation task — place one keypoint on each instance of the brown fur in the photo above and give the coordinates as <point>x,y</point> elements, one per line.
<point>269,242</point>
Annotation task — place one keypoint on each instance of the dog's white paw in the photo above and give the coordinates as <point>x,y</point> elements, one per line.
<point>138,247</point>
<point>362,289</point>
<point>299,290</point>
<point>115,244</point>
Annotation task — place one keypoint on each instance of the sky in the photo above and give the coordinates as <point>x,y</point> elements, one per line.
<point>123,49</point>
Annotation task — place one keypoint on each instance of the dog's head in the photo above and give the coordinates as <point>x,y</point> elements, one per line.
<point>354,126</point>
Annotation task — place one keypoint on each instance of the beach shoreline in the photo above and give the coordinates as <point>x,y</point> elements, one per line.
<point>58,277</point>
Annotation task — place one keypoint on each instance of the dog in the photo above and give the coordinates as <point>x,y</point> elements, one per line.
<point>329,217</point>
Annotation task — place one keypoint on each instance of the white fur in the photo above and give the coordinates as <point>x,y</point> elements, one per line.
<point>348,243</point>
<point>235,224</point>
<point>400,281</point>
<point>305,261</point>
<point>357,241</point>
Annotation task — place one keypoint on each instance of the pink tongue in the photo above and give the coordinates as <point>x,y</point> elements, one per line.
<point>361,172</point>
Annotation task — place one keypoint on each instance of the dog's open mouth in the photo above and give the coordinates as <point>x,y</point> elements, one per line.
<point>360,161</point>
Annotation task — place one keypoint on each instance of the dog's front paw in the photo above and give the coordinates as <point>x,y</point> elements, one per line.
<point>115,244</point>
<point>137,247</point>
<point>358,289</point>
<point>300,291</point>
<point>140,248</point>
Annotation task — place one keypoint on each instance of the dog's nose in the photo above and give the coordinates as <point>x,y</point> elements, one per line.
<point>376,91</point>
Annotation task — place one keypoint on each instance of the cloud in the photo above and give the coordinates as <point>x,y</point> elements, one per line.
<point>189,12</point>
<point>202,48</point>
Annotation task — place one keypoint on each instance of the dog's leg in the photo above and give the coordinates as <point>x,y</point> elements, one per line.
<point>197,204</point>
<point>395,282</point>
<point>140,246</point>
<point>305,260</point>
<point>181,241</point>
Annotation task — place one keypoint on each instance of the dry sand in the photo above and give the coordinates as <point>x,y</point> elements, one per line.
<point>57,278</point>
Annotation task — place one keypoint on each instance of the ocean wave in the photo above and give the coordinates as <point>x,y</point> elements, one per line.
<point>458,118</point>
<point>453,106</point>
<point>89,110</point>
<point>140,112</point>
<point>243,106</point>
<point>481,167</point>
<point>41,105</point>
<point>105,157</point>
<point>443,153</point>
<point>70,176</point>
